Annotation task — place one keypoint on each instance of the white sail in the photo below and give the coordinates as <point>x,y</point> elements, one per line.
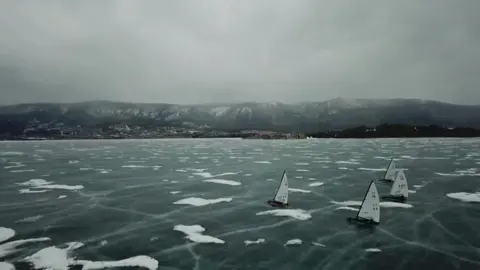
<point>282,192</point>
<point>400,185</point>
<point>391,169</point>
<point>370,208</point>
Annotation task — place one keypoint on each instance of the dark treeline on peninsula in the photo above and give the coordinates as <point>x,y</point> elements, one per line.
<point>399,131</point>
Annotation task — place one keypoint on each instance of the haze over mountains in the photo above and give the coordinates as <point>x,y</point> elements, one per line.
<point>338,113</point>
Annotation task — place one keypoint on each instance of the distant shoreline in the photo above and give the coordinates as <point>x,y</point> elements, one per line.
<point>230,138</point>
<point>361,132</point>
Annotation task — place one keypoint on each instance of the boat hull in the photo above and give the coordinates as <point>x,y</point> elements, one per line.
<point>395,198</point>
<point>386,181</point>
<point>362,222</point>
<point>277,204</point>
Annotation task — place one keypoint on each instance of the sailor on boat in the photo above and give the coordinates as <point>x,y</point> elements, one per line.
<point>369,212</point>
<point>399,190</point>
<point>281,196</point>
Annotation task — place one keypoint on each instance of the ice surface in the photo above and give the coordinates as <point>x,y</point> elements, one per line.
<point>174,192</point>
<point>293,242</point>
<point>223,181</point>
<point>135,215</point>
<point>263,162</point>
<point>258,241</point>
<point>11,153</point>
<point>201,202</point>
<point>294,213</point>
<point>30,219</point>
<point>464,196</point>
<point>62,197</point>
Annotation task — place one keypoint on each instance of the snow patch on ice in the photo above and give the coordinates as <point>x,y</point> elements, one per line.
<point>203,174</point>
<point>464,196</point>
<point>373,250</point>
<point>194,234</point>
<point>137,261</point>
<point>42,184</point>
<point>6,233</point>
<point>258,241</point>
<point>26,191</point>
<point>201,202</point>
<point>263,162</point>
<point>299,190</point>
<point>6,266</point>
<point>19,171</point>
<point>223,182</point>
<point>316,184</point>
<point>299,214</point>
<point>382,204</point>
<point>347,162</point>
<point>293,242</point>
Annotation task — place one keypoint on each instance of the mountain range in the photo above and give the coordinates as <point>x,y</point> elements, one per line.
<point>333,114</point>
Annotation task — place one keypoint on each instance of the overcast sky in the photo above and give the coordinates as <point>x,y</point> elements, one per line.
<point>244,50</point>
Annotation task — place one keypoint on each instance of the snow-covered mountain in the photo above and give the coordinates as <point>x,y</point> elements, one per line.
<point>312,116</point>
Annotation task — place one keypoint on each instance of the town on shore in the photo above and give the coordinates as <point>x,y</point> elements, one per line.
<point>123,131</point>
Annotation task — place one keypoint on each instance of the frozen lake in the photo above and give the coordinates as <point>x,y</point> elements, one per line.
<point>201,204</point>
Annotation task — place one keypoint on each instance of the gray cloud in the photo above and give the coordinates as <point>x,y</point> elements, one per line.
<point>226,50</point>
